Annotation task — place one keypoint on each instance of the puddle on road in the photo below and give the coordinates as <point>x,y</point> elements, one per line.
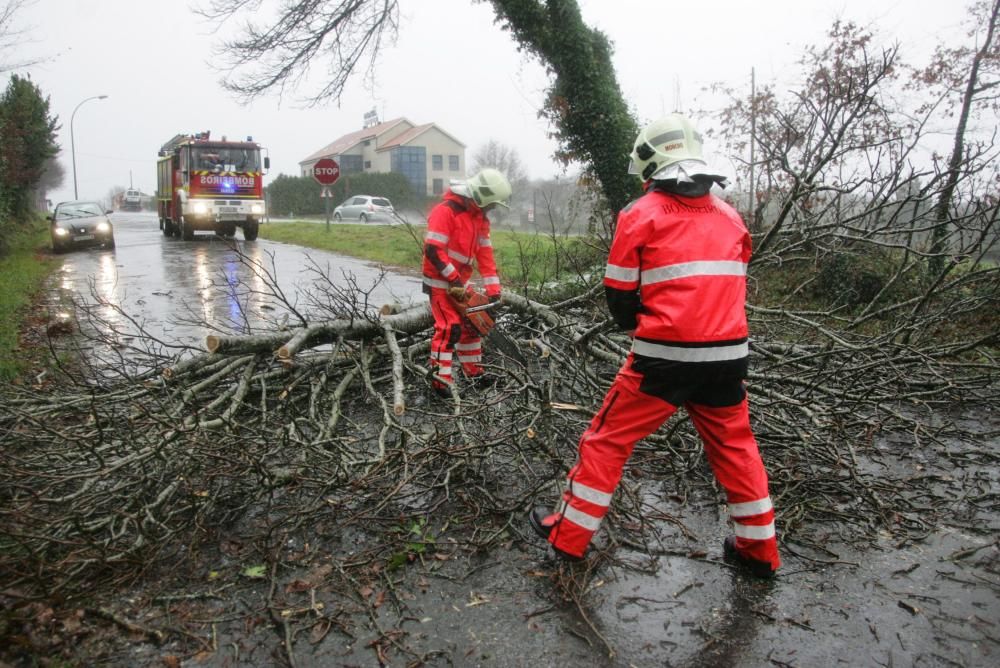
<point>178,292</point>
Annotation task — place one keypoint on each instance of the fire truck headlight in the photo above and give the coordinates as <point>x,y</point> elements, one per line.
<point>199,207</point>
<point>103,227</point>
<point>257,209</point>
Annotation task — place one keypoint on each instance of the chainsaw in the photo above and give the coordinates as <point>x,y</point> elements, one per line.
<point>476,311</point>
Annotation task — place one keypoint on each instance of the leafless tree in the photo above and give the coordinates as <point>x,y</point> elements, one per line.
<point>503,157</point>
<point>113,196</point>
<point>12,36</point>
<point>274,55</point>
<point>278,53</point>
<point>324,427</point>
<point>969,77</point>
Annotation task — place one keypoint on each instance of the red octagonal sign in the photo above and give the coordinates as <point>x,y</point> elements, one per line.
<point>326,171</point>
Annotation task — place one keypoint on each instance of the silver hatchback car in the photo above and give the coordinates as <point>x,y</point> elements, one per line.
<point>365,208</point>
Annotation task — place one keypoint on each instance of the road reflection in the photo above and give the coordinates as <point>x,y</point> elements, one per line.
<point>180,291</point>
<point>228,280</point>
<point>105,289</point>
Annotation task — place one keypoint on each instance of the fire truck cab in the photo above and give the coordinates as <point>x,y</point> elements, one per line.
<point>210,185</point>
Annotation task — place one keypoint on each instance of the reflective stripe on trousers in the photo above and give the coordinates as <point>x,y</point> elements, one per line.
<point>451,332</point>
<point>629,415</point>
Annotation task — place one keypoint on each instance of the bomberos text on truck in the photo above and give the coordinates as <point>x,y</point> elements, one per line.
<point>210,185</point>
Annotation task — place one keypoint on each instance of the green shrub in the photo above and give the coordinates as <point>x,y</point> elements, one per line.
<point>300,195</point>
<point>856,276</point>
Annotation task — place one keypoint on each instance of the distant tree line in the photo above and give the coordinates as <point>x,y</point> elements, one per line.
<point>300,195</point>
<point>27,148</point>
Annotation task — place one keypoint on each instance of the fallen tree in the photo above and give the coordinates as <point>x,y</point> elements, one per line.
<point>317,454</point>
<point>331,424</point>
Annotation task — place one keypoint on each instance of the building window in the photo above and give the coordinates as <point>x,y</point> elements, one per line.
<point>438,186</point>
<point>368,164</point>
<point>453,163</point>
<point>411,162</point>
<point>437,162</point>
<point>368,142</point>
<point>350,163</point>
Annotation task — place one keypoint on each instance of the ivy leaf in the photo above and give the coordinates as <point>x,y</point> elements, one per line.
<point>255,572</point>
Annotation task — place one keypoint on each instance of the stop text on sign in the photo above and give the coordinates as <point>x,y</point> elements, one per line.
<point>326,171</point>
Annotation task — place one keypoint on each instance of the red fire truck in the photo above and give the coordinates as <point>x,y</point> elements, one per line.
<point>212,185</point>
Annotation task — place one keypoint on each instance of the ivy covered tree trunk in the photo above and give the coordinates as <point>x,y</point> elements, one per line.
<point>585,105</point>
<point>590,119</point>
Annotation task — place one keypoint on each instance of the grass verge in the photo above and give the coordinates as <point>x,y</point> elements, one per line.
<point>394,245</point>
<point>522,258</point>
<point>22,271</point>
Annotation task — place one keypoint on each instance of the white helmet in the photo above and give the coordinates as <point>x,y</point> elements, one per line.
<point>487,187</point>
<point>672,141</point>
<point>460,187</point>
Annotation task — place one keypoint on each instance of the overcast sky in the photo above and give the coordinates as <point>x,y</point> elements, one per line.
<point>451,65</point>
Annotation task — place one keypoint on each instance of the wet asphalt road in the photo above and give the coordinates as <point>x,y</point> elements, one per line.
<point>180,291</point>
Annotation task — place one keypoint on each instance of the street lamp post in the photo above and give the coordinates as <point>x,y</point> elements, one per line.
<point>72,142</point>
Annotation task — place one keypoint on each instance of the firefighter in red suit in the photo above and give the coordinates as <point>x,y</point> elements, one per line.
<point>676,281</point>
<point>458,234</point>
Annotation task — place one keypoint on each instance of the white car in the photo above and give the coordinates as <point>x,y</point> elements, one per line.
<point>365,208</point>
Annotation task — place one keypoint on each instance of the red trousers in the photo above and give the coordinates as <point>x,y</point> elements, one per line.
<point>629,415</point>
<point>453,336</point>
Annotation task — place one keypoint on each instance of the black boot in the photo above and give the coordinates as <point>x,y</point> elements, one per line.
<point>543,522</point>
<point>755,567</point>
<point>483,381</point>
<point>441,390</point>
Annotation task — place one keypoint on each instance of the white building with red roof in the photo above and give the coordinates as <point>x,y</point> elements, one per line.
<point>425,154</point>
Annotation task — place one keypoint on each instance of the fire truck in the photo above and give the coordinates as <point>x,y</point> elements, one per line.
<point>210,185</point>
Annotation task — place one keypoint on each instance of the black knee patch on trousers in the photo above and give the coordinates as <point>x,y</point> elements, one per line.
<point>454,335</point>
<point>715,384</point>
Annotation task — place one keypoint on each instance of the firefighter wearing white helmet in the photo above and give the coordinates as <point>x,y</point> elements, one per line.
<point>676,282</point>
<point>458,237</point>
<point>490,187</point>
<point>671,149</point>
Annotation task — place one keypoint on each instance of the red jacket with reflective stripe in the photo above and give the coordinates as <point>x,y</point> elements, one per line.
<point>461,232</point>
<point>684,259</point>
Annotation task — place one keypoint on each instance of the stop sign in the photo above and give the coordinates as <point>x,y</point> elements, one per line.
<point>326,171</point>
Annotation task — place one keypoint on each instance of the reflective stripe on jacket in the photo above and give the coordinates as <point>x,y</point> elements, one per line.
<point>676,274</point>
<point>458,234</point>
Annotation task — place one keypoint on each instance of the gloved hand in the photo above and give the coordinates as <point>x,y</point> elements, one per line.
<point>459,293</point>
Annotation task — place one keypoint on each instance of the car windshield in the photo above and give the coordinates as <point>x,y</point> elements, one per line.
<point>378,201</point>
<point>226,159</point>
<point>78,210</point>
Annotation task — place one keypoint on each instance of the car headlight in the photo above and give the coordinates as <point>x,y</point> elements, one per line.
<point>257,208</point>
<point>103,227</point>
<point>199,207</point>
<point>61,232</point>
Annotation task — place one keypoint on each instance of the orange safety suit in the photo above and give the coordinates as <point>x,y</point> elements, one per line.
<point>458,234</point>
<point>676,275</point>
